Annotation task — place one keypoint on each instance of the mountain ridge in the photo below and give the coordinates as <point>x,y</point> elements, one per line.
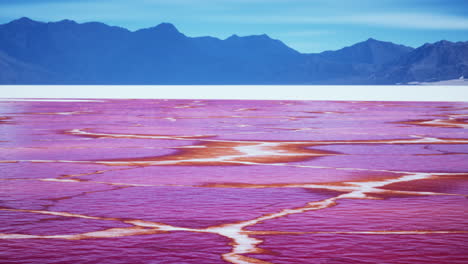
<point>96,53</point>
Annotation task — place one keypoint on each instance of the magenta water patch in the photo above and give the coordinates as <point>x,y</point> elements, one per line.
<point>243,182</point>
<point>359,248</point>
<point>33,223</point>
<point>176,247</point>
<point>389,215</point>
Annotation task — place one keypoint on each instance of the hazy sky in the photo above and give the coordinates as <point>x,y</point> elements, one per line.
<point>305,25</point>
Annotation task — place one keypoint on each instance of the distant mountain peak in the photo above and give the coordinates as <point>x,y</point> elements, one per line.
<point>439,44</point>
<point>67,21</point>
<point>233,36</point>
<point>166,27</point>
<point>163,30</point>
<point>443,42</point>
<point>24,21</point>
<point>262,37</point>
<point>370,51</point>
<point>372,40</point>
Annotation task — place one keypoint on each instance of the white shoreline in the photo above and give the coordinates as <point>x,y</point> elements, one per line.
<point>240,92</point>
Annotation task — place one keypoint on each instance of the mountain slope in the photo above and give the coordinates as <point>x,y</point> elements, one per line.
<point>96,53</point>
<point>66,52</point>
<point>370,51</point>
<point>443,60</point>
<point>13,71</point>
<point>356,64</point>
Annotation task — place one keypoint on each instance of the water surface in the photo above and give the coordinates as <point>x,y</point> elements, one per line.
<point>219,181</point>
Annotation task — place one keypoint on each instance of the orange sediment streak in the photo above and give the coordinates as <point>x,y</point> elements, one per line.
<point>450,121</point>
<point>216,152</point>
<point>209,151</point>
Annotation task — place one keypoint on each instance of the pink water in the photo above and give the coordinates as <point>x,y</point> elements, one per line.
<point>186,181</point>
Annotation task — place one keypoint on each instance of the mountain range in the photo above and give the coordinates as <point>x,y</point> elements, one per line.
<point>67,52</point>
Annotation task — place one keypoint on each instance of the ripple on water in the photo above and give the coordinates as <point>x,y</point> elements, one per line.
<point>364,249</point>
<point>173,248</point>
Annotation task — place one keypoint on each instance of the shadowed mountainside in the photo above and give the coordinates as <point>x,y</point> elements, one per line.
<point>67,52</point>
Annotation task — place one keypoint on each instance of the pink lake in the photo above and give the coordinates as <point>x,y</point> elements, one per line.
<point>230,181</point>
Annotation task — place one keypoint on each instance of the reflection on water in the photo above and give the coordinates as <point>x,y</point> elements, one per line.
<point>183,181</point>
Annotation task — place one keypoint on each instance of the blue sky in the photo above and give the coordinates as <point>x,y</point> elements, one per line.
<point>305,25</point>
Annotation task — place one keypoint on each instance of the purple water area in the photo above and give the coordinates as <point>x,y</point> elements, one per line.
<point>388,249</point>
<point>216,181</point>
<point>176,247</point>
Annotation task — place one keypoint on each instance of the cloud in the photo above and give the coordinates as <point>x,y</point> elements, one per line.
<point>391,20</point>
<point>415,21</point>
